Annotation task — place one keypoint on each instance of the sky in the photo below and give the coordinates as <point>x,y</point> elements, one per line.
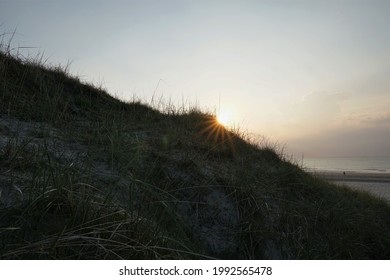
<point>311,77</point>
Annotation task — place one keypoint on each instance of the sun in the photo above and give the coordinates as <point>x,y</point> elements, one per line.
<point>218,128</point>
<point>224,118</point>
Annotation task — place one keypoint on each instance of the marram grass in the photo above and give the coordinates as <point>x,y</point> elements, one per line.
<point>86,176</point>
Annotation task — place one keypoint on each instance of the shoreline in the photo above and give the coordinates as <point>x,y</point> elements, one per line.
<point>377,184</point>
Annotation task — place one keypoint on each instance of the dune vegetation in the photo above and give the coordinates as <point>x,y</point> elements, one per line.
<point>84,175</point>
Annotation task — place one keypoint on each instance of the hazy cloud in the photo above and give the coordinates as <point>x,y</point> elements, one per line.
<point>341,124</point>
<point>378,121</point>
<point>373,141</point>
<point>316,112</point>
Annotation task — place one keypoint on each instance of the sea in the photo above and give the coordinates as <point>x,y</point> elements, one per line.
<point>341,164</point>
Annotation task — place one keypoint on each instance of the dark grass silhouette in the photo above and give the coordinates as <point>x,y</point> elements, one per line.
<point>86,176</point>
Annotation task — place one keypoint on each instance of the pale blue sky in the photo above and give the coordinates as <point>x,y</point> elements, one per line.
<point>311,75</point>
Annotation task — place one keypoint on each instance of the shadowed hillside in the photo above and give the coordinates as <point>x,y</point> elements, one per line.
<point>84,175</point>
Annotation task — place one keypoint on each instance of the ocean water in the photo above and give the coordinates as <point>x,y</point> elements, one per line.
<point>354,164</point>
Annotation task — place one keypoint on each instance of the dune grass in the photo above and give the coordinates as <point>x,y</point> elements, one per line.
<point>86,176</point>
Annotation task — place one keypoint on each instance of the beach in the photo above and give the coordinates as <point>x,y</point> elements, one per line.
<point>374,183</point>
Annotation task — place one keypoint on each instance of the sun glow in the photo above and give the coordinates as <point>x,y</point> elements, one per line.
<point>224,118</point>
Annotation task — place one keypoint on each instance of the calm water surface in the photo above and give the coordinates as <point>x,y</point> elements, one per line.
<point>355,164</point>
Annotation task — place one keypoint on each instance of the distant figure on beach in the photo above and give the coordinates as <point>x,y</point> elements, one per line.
<point>344,173</point>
